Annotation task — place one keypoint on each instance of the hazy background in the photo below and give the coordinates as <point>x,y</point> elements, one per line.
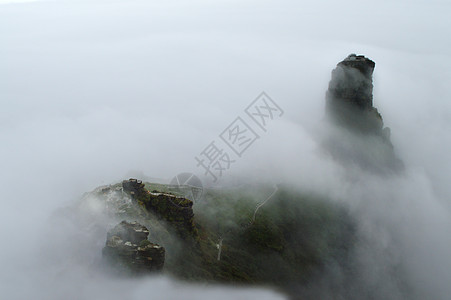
<point>91,90</point>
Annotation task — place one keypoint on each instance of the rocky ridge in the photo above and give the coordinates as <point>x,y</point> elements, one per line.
<point>177,211</point>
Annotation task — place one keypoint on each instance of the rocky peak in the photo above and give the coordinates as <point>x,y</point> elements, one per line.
<point>134,186</point>
<point>177,211</point>
<point>358,134</point>
<point>349,99</point>
<point>360,62</point>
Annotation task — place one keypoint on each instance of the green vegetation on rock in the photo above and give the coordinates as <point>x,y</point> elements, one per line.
<point>293,237</point>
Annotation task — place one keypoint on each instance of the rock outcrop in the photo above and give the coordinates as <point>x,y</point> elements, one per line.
<point>349,99</point>
<point>177,211</point>
<point>293,238</point>
<point>128,249</point>
<point>361,137</point>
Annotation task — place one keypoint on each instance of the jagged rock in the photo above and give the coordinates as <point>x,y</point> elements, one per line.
<point>349,99</point>
<point>177,211</point>
<point>360,136</point>
<point>128,249</point>
<point>135,187</point>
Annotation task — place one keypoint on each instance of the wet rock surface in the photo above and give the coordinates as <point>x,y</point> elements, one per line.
<point>128,249</point>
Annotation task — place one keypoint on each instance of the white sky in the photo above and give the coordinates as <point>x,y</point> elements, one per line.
<point>16,1</point>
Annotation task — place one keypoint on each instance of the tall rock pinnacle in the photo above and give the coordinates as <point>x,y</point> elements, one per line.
<point>349,99</point>
<point>360,136</point>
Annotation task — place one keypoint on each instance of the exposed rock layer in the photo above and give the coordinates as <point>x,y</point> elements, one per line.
<point>128,248</point>
<point>177,211</point>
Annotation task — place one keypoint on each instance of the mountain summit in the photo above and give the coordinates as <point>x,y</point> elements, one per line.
<point>358,134</point>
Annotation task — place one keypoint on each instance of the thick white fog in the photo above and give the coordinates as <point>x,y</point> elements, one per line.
<point>93,90</point>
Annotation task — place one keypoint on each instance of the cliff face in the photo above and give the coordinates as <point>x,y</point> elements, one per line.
<point>359,135</point>
<point>177,211</point>
<point>349,99</point>
<point>352,82</point>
